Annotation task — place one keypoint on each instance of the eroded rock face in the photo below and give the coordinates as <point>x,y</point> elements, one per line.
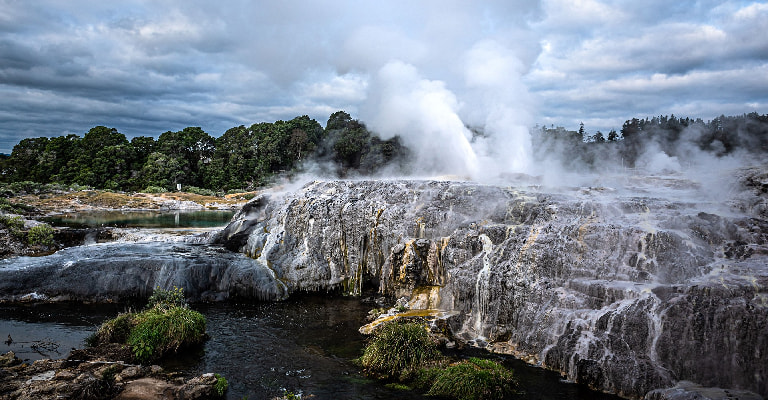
<point>624,293</point>
<point>130,271</point>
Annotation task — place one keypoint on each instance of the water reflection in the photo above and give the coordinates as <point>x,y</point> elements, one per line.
<point>143,219</point>
<point>303,345</point>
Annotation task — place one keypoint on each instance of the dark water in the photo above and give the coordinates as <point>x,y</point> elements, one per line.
<point>143,219</point>
<point>304,345</point>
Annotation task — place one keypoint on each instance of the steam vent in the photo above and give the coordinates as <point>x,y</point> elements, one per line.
<point>648,292</point>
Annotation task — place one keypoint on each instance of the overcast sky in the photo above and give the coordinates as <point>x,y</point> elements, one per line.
<point>145,67</point>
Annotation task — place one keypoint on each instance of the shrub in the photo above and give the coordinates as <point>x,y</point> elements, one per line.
<point>14,208</point>
<point>155,189</point>
<point>165,326</point>
<point>200,191</point>
<point>221,385</point>
<point>399,350</point>
<point>167,299</point>
<point>471,379</point>
<point>40,235</point>
<point>159,332</point>
<point>13,224</point>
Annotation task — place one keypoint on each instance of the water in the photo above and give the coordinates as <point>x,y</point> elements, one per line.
<point>142,219</point>
<point>303,345</point>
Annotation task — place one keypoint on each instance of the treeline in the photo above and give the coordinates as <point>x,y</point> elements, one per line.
<point>242,158</point>
<point>684,138</point>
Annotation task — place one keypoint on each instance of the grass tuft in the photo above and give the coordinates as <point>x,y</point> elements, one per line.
<point>399,350</point>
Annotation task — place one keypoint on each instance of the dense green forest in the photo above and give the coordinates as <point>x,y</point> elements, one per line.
<point>245,158</point>
<point>242,158</point>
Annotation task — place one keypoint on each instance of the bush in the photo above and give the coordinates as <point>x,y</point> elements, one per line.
<point>15,225</point>
<point>158,332</point>
<point>221,385</point>
<point>167,299</point>
<point>471,379</point>
<point>165,326</point>
<point>155,189</point>
<point>40,235</point>
<point>399,350</point>
<point>14,208</point>
<point>200,191</point>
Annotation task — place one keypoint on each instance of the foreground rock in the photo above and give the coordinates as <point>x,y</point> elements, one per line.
<point>628,292</point>
<point>85,376</point>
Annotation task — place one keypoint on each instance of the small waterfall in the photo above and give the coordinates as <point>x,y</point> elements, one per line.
<point>482,287</point>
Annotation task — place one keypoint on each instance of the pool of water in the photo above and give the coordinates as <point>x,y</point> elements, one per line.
<point>304,345</point>
<point>142,219</point>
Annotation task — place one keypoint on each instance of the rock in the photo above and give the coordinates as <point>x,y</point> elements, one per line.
<point>147,389</point>
<point>689,391</point>
<point>624,294</point>
<point>93,377</point>
<point>627,292</point>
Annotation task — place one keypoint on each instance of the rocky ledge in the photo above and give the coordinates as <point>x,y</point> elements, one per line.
<point>629,291</point>
<point>95,374</point>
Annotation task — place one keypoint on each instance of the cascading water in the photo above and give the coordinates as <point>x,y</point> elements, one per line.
<point>625,293</point>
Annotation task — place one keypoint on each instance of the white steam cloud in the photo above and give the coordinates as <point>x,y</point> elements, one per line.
<point>436,119</point>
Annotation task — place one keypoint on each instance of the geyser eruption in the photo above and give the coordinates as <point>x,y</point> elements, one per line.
<point>477,129</point>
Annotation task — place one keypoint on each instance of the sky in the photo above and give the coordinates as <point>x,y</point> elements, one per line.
<point>420,69</point>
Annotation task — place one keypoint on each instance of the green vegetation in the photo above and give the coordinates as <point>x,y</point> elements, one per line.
<point>242,158</point>
<point>164,326</point>
<point>472,379</point>
<point>221,384</point>
<point>405,352</point>
<point>15,225</point>
<point>40,235</point>
<point>399,350</point>
<point>14,208</point>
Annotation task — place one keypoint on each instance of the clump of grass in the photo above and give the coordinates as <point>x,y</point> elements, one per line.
<point>158,332</point>
<point>399,350</point>
<point>164,326</point>
<point>405,351</point>
<point>472,379</point>
<point>40,235</point>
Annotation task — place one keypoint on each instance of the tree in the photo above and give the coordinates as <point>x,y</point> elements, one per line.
<point>613,135</point>
<point>599,138</point>
<point>27,161</point>
<point>234,162</point>
<point>188,149</point>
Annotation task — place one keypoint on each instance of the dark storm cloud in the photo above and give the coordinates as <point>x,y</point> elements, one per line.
<point>148,67</point>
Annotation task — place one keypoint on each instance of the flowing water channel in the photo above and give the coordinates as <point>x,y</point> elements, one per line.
<point>304,345</point>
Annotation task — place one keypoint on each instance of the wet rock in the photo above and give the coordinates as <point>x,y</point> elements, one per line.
<point>626,293</point>
<point>96,377</point>
<point>689,391</point>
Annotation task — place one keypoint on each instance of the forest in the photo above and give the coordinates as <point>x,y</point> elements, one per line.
<point>245,158</point>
